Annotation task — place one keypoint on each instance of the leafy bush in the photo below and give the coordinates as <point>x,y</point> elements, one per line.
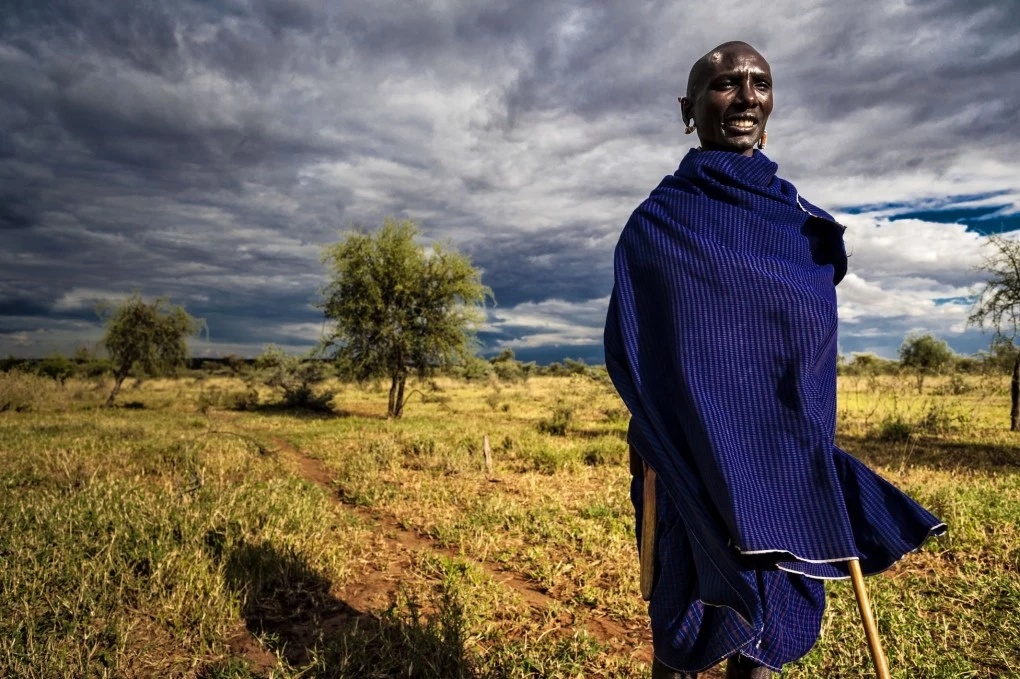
<point>870,364</point>
<point>55,367</point>
<point>554,369</point>
<point>296,378</point>
<point>22,392</point>
<point>548,459</point>
<point>246,399</point>
<point>559,423</point>
<point>10,363</point>
<point>895,429</point>
<point>956,386</point>
<point>606,450</point>
<point>96,368</point>
<point>938,419</point>
<point>615,415</point>
<point>578,367</point>
<point>475,369</point>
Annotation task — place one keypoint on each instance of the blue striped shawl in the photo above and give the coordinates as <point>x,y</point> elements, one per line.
<point>721,339</point>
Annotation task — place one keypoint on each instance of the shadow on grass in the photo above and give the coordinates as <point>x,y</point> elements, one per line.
<point>288,604</point>
<point>308,413</point>
<point>598,433</point>
<point>934,453</point>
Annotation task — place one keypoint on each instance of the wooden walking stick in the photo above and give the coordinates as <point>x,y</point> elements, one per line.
<point>870,628</point>
<point>648,534</point>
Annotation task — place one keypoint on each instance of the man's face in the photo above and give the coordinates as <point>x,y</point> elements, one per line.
<point>731,100</point>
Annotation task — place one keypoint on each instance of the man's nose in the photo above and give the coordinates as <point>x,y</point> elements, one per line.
<point>748,95</point>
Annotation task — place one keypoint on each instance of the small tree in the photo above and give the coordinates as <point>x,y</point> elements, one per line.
<point>925,355</point>
<point>147,336</point>
<point>998,307</point>
<point>397,307</point>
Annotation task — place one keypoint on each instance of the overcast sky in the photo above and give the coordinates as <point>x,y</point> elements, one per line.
<point>205,151</point>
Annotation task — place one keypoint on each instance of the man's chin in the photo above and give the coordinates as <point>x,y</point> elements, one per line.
<point>733,145</point>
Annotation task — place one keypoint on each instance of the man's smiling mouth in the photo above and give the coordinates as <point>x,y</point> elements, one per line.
<point>741,123</point>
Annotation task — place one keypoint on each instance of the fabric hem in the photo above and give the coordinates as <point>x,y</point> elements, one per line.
<point>935,531</point>
<point>798,558</point>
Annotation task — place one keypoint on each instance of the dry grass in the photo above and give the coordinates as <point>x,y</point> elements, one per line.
<point>181,538</point>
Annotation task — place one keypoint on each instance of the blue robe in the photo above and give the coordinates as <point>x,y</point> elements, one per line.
<point>721,340</point>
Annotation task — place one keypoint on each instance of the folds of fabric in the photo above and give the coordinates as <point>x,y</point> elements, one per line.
<point>721,339</point>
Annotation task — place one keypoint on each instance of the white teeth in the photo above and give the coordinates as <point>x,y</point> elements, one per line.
<point>745,124</point>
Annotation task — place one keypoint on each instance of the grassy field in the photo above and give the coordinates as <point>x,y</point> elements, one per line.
<point>174,536</point>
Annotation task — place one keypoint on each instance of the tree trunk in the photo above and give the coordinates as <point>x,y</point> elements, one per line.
<point>117,381</point>
<point>400,396</point>
<point>1014,392</point>
<point>391,409</point>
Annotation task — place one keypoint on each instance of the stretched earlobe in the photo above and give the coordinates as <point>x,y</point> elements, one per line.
<point>691,127</point>
<point>764,137</point>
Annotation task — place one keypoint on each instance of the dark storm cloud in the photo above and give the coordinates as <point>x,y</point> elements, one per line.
<point>205,150</point>
<point>550,265</point>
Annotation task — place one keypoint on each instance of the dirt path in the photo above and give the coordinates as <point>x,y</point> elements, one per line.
<point>376,589</point>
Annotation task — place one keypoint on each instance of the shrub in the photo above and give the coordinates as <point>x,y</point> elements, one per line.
<point>55,367</point>
<point>246,399</point>
<point>475,369</point>
<point>870,364</point>
<point>573,367</point>
<point>895,429</point>
<point>555,369</point>
<point>22,392</point>
<point>615,415</point>
<point>10,363</point>
<point>558,424</point>
<point>508,371</point>
<point>548,459</point>
<point>956,386</point>
<point>606,450</point>
<point>938,420</point>
<point>296,378</point>
<point>506,366</point>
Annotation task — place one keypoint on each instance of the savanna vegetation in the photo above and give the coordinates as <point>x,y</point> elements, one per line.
<point>207,528</point>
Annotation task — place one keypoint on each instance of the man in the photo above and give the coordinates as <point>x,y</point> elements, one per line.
<point>721,339</point>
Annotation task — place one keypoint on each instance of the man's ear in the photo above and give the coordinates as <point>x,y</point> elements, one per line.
<point>685,109</point>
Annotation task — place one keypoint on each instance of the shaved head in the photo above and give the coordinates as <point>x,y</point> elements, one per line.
<point>729,98</point>
<point>704,66</point>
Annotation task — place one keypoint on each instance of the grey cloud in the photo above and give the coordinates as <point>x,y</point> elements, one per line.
<point>202,150</point>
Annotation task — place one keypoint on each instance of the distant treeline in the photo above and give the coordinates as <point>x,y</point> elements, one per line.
<point>922,354</point>
<point>503,366</point>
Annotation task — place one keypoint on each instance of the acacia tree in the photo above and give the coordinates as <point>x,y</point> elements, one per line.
<point>926,355</point>
<point>147,336</point>
<point>397,307</point>
<point>998,307</point>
